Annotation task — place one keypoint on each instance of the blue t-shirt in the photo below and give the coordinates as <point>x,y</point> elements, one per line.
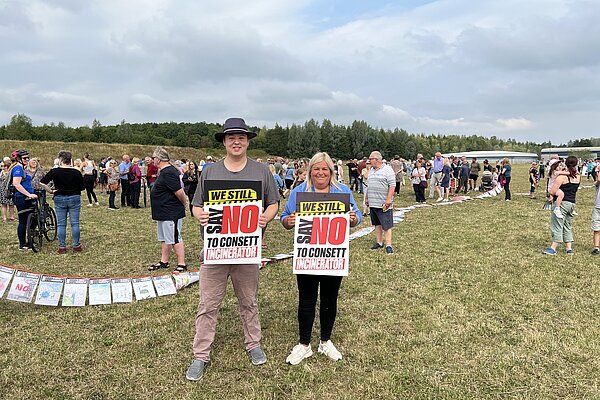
<point>290,206</point>
<point>124,167</point>
<point>19,172</point>
<point>289,174</point>
<point>508,168</point>
<point>279,182</point>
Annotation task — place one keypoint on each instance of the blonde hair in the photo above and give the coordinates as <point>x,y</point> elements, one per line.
<point>506,160</point>
<point>272,169</point>
<point>135,160</point>
<point>317,158</point>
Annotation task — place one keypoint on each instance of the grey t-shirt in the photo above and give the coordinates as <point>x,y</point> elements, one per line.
<point>253,171</point>
<point>380,180</point>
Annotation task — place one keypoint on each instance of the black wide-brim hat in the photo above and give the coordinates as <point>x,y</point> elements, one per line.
<point>234,125</point>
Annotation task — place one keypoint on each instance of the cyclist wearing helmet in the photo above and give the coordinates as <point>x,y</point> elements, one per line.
<point>23,193</point>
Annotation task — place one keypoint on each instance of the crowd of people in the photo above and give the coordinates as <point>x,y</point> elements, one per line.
<point>176,185</point>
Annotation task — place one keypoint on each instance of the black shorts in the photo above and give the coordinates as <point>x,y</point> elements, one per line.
<point>379,217</point>
<point>473,177</point>
<point>103,178</point>
<point>289,183</point>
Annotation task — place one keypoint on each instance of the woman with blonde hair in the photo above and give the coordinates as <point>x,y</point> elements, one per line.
<point>339,169</point>
<point>6,202</point>
<point>320,179</point>
<point>113,181</point>
<point>90,173</point>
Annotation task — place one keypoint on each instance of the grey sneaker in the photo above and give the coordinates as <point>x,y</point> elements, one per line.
<point>389,251</point>
<point>377,246</point>
<point>570,252</point>
<point>195,370</point>
<point>258,356</point>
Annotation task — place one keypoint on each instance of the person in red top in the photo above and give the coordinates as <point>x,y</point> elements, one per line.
<point>362,164</point>
<point>151,173</point>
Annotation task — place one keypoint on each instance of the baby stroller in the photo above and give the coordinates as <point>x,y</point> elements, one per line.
<point>486,181</point>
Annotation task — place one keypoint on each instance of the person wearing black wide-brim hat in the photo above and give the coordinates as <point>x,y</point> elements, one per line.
<point>213,278</point>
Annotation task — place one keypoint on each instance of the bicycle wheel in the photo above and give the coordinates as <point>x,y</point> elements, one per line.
<point>50,222</point>
<point>34,234</point>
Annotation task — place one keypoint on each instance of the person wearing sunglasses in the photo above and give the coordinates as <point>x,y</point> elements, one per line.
<point>23,193</point>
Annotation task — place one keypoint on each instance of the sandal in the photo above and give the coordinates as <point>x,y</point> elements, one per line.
<point>181,268</point>
<point>158,265</point>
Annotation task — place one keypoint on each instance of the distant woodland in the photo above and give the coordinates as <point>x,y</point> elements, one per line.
<point>340,141</point>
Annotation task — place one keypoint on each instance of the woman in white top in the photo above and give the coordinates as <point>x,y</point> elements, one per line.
<point>417,176</point>
<point>88,169</point>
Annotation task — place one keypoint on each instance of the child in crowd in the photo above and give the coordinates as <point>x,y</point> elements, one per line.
<point>494,178</point>
<point>556,168</point>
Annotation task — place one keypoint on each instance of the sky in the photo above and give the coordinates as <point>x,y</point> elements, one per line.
<point>522,69</point>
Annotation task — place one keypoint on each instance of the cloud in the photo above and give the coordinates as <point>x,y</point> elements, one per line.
<point>452,66</point>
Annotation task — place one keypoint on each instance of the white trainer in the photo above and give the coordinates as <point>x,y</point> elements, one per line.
<point>330,351</point>
<point>440,199</point>
<point>299,353</point>
<point>558,213</point>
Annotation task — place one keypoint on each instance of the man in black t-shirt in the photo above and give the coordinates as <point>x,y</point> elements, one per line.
<point>168,210</point>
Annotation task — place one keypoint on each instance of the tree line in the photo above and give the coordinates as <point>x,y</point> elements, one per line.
<point>297,140</point>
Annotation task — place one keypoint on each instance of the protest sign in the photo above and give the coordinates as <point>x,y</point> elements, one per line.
<point>75,292</point>
<point>23,286</point>
<point>232,235</point>
<point>164,285</point>
<point>321,234</point>
<point>121,290</point>
<point>99,292</point>
<point>48,293</point>
<point>5,277</point>
<point>143,288</point>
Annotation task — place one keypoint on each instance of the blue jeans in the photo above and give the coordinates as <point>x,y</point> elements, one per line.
<point>64,205</point>
<point>24,208</point>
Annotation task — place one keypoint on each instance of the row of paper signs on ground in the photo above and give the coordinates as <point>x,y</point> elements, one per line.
<point>76,292</point>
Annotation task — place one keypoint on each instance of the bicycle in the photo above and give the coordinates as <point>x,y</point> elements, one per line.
<point>41,223</point>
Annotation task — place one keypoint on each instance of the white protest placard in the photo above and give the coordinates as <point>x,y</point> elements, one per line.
<point>121,290</point>
<point>23,286</point>
<point>143,288</point>
<point>99,291</point>
<point>164,285</point>
<point>321,234</point>
<point>6,275</point>
<point>75,292</point>
<point>48,293</point>
<point>232,235</point>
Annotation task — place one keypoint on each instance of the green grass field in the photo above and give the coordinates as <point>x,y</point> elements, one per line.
<point>468,307</point>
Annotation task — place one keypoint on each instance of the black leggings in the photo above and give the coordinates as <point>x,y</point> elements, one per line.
<point>89,181</point>
<point>308,288</point>
<point>507,188</point>
<point>419,193</point>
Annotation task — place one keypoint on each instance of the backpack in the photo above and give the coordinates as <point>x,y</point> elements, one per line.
<point>130,175</point>
<point>8,187</point>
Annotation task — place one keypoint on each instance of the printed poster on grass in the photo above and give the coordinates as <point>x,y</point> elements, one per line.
<point>23,286</point>
<point>6,275</point>
<point>48,293</point>
<point>321,234</point>
<point>232,235</point>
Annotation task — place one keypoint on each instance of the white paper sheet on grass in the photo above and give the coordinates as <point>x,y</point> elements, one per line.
<point>143,288</point>
<point>23,286</point>
<point>75,292</point>
<point>49,290</point>
<point>121,290</point>
<point>99,291</point>
<point>164,285</point>
<point>6,275</point>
